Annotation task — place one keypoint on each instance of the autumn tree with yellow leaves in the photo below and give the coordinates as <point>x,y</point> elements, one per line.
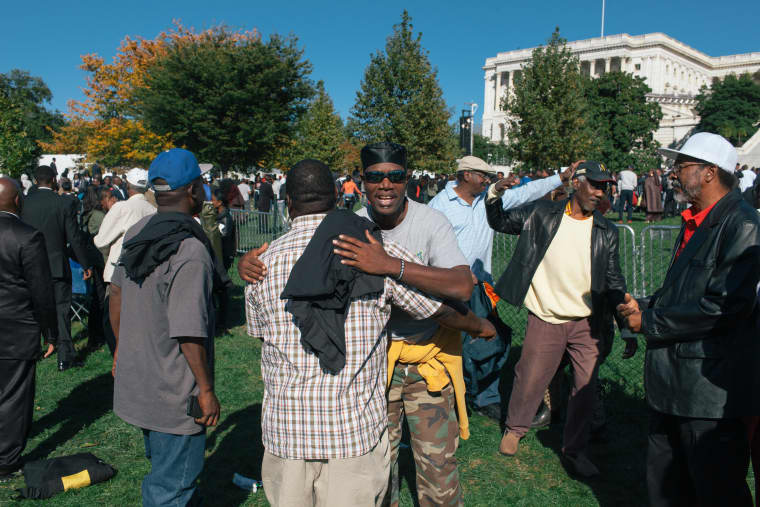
<point>229,96</point>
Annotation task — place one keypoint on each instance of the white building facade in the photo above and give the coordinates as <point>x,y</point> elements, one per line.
<point>673,70</point>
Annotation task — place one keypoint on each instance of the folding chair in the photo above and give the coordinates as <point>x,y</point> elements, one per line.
<point>80,293</point>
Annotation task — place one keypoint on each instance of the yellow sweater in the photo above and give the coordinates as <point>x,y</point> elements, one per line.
<point>561,287</point>
<point>436,361</point>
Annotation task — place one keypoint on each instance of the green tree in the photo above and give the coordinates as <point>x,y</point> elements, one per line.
<point>493,153</point>
<point>319,133</point>
<point>623,122</point>
<point>232,100</point>
<point>400,101</point>
<point>730,107</point>
<point>547,125</point>
<point>18,149</point>
<point>31,95</point>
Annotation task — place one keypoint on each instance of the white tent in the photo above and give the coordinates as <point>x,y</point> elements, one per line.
<point>62,161</point>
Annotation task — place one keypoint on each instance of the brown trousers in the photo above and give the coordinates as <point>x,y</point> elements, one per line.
<point>542,352</point>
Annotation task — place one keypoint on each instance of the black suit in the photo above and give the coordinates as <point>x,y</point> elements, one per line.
<point>701,361</point>
<point>27,310</point>
<point>55,217</point>
<point>266,194</point>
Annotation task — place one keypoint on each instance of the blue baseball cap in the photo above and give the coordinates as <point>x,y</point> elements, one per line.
<point>177,167</point>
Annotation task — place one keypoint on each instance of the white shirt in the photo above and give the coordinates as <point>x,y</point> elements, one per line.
<point>245,190</point>
<point>627,179</point>
<point>747,180</point>
<point>121,216</point>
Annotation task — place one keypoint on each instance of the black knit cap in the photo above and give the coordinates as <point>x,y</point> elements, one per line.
<point>378,153</point>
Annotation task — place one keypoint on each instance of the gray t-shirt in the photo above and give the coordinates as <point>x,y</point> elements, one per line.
<point>429,236</point>
<point>153,380</point>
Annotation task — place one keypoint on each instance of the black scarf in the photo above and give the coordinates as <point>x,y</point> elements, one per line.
<point>159,240</point>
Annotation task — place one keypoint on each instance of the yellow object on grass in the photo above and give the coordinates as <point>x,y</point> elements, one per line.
<point>80,480</point>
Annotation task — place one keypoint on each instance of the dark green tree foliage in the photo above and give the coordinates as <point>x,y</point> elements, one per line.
<point>622,121</point>
<point>400,101</point>
<point>18,149</point>
<point>493,153</point>
<point>31,95</point>
<point>547,126</point>
<point>730,107</point>
<point>319,134</point>
<point>233,102</point>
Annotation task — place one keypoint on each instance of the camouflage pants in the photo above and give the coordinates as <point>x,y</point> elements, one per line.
<point>434,432</point>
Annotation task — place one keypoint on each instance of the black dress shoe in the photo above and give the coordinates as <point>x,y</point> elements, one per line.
<point>492,411</point>
<point>543,418</point>
<point>65,365</point>
<point>10,473</point>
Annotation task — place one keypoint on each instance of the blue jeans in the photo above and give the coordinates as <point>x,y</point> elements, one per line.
<point>176,462</point>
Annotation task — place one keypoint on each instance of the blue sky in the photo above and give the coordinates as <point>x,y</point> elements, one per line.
<point>47,38</point>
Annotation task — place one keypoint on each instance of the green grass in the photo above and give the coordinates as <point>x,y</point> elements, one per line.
<point>73,414</point>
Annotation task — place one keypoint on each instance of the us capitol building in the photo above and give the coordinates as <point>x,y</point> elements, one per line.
<point>673,70</point>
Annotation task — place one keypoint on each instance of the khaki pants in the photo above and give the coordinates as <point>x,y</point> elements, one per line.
<point>356,481</point>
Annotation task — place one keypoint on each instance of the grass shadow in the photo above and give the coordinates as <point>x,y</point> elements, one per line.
<point>619,450</point>
<point>237,447</point>
<point>74,413</point>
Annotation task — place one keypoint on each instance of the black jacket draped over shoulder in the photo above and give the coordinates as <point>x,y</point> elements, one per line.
<point>320,288</point>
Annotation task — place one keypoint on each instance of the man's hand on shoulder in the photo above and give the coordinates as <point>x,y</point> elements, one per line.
<point>250,268</point>
<point>368,256</point>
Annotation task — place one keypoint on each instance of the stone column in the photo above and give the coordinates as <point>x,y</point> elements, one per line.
<point>607,63</point>
<point>499,92</point>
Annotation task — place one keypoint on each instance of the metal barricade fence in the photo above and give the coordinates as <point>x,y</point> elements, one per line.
<point>254,228</point>
<point>655,251</point>
<point>644,260</point>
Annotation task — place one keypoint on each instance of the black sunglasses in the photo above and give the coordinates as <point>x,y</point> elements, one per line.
<point>395,176</point>
<point>599,185</point>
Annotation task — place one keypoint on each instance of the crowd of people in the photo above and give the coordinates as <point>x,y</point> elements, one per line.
<point>376,310</point>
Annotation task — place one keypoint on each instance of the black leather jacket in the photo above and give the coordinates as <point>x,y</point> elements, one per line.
<point>537,223</point>
<point>701,326</point>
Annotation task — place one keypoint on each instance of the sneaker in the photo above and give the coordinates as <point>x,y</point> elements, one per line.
<point>580,465</point>
<point>509,443</point>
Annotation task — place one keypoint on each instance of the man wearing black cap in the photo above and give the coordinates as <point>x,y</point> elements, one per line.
<point>161,293</point>
<point>565,270</point>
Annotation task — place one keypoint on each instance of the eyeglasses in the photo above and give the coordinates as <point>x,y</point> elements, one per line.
<point>482,176</point>
<point>677,168</point>
<point>395,176</point>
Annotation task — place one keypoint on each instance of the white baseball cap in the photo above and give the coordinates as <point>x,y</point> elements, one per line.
<point>711,148</point>
<point>137,177</point>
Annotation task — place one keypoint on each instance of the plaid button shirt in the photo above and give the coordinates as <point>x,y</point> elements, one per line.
<point>308,414</point>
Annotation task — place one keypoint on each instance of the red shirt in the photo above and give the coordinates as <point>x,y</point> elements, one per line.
<point>692,222</point>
